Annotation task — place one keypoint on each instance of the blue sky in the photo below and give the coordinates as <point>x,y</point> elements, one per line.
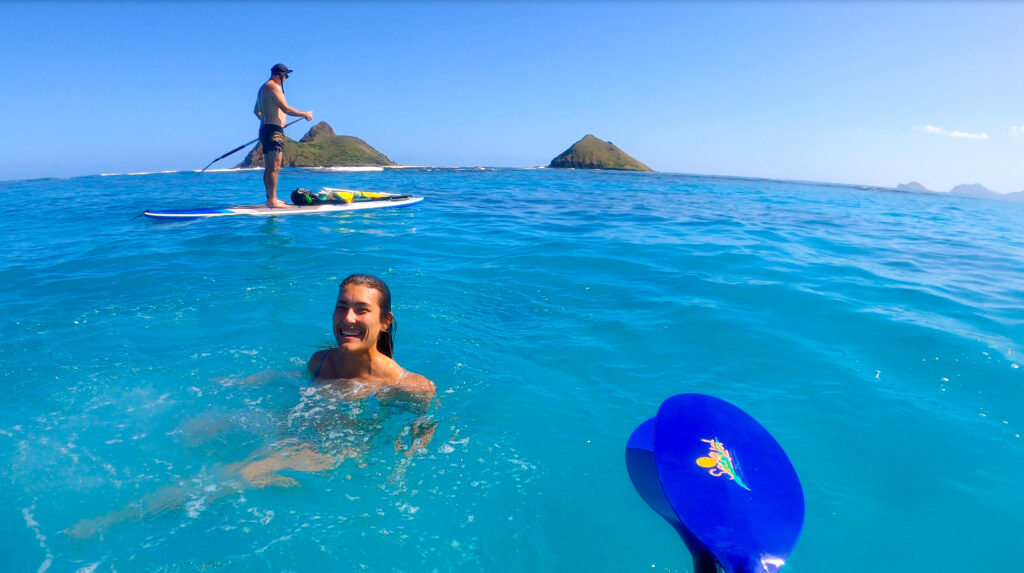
<point>868,93</point>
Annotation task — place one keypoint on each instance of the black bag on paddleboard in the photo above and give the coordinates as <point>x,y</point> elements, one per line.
<point>303,197</point>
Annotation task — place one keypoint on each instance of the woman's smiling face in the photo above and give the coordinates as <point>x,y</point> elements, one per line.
<point>357,317</point>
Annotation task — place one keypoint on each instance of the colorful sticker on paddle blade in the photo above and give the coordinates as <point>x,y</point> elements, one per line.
<point>719,462</point>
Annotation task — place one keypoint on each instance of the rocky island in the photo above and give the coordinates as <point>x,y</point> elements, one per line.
<point>593,153</point>
<point>321,147</point>
<point>912,186</point>
<point>975,190</point>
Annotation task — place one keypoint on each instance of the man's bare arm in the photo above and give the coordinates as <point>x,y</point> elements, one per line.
<point>278,94</point>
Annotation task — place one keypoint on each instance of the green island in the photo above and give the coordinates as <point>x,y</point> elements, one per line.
<point>593,153</point>
<point>321,147</point>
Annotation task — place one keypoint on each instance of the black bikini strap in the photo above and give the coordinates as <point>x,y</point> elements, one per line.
<point>323,357</point>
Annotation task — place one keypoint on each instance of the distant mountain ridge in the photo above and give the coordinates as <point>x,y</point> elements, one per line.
<point>593,153</point>
<point>975,190</point>
<point>321,147</point>
<point>979,191</point>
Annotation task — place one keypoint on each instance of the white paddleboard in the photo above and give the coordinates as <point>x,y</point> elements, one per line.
<point>264,211</point>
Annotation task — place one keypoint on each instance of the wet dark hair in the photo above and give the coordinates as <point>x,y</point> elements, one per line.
<point>386,342</point>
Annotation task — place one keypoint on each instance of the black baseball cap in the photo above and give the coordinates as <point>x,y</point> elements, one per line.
<point>280,69</point>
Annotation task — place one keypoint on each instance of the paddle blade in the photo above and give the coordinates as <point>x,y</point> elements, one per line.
<point>729,482</point>
<point>643,471</point>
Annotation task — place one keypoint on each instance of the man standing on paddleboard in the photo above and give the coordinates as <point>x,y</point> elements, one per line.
<point>272,108</point>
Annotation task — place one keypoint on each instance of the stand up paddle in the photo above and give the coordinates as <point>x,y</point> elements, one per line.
<point>721,480</point>
<point>243,146</point>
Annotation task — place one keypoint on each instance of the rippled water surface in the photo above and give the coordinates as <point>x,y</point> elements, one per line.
<point>876,334</point>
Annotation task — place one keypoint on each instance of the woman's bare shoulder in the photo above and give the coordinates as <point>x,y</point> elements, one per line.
<point>316,360</point>
<point>419,386</point>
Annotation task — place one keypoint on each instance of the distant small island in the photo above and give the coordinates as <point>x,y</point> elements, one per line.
<point>593,153</point>
<point>975,190</point>
<point>321,147</point>
<point>912,186</point>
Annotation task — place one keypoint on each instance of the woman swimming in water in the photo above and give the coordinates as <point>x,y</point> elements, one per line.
<point>360,366</point>
<point>362,363</point>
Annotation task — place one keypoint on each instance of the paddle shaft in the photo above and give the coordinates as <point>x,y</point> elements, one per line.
<point>244,145</point>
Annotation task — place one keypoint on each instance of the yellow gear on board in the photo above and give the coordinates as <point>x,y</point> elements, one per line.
<point>349,196</point>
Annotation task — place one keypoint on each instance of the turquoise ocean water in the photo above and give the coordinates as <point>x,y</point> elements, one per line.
<point>876,334</point>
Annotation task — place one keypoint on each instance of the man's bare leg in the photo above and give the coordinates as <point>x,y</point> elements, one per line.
<point>270,172</point>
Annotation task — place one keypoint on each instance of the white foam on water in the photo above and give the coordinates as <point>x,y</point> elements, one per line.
<point>264,517</point>
<point>228,169</point>
<point>349,169</point>
<point>274,542</point>
<point>146,172</point>
<point>195,507</point>
<point>32,524</point>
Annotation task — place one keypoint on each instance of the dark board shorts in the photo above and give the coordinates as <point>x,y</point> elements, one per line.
<point>271,138</point>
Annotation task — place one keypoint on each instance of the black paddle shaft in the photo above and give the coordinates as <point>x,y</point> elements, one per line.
<point>243,146</point>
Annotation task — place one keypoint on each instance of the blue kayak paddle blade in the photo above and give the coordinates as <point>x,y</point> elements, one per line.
<point>731,485</point>
<point>643,471</point>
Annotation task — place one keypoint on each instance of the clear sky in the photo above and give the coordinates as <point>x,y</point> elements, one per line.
<point>868,93</point>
